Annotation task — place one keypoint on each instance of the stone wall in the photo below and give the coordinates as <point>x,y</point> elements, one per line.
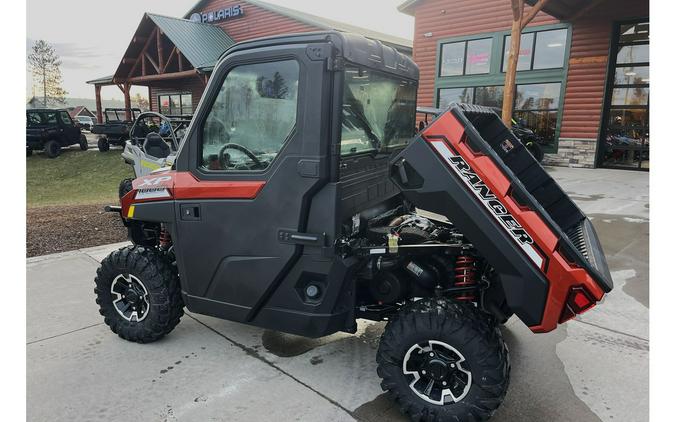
<point>573,153</point>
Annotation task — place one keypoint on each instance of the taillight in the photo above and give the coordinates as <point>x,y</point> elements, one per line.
<point>578,301</point>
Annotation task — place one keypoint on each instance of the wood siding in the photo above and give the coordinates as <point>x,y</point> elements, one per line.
<point>450,18</point>
<point>587,69</point>
<point>256,22</point>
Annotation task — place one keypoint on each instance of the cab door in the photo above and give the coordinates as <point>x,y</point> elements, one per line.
<point>70,132</point>
<point>254,157</point>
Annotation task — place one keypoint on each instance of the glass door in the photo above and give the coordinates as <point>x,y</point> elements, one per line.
<point>625,134</point>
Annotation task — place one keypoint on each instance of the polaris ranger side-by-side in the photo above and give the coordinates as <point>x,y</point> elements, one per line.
<point>301,199</point>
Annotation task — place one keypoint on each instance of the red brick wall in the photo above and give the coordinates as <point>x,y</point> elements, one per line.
<point>449,18</point>
<point>256,22</point>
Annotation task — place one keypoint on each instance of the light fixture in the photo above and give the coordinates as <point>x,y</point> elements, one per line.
<point>554,44</point>
<point>428,34</point>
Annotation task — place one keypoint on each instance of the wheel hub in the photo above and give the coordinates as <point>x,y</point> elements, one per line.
<point>437,372</point>
<point>130,297</point>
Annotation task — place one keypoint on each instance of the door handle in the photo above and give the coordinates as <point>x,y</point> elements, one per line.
<point>190,212</point>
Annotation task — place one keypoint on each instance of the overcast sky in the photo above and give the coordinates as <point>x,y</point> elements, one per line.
<point>91,36</point>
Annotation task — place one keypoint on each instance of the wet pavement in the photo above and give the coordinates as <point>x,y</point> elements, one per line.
<point>594,368</point>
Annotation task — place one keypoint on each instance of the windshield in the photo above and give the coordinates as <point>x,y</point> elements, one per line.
<point>378,111</point>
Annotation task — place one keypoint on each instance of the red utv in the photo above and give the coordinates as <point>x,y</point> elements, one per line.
<point>302,200</point>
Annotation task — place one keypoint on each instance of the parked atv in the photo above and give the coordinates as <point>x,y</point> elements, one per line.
<point>51,130</point>
<point>313,203</point>
<point>115,129</point>
<point>153,143</point>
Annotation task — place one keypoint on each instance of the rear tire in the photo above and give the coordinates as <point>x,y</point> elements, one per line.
<point>138,294</point>
<point>535,150</point>
<point>103,144</point>
<point>125,187</point>
<point>52,149</point>
<point>83,143</point>
<point>432,341</point>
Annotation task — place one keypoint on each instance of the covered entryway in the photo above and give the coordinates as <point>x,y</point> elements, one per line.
<point>173,58</point>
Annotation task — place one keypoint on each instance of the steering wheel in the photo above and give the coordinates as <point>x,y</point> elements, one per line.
<point>221,155</point>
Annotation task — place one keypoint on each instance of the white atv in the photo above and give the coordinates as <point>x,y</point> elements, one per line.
<point>153,144</point>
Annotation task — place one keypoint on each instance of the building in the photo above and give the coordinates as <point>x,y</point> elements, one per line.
<point>583,71</point>
<point>174,57</point>
<point>80,111</point>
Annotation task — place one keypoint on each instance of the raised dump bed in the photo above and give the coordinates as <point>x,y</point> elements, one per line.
<point>468,166</point>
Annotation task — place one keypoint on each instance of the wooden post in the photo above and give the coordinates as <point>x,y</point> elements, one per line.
<point>99,110</point>
<point>512,63</point>
<point>127,101</point>
<point>160,52</point>
<point>150,99</point>
<point>519,23</point>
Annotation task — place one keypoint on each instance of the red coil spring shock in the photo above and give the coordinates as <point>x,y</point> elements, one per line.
<point>465,276</point>
<point>164,238</point>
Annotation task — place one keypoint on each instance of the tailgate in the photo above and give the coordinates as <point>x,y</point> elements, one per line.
<point>468,166</point>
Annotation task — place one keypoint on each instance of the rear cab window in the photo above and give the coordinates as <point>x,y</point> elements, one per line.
<point>378,112</point>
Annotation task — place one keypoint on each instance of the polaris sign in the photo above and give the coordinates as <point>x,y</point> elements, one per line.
<point>235,11</point>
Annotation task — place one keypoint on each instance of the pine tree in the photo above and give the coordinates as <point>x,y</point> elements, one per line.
<point>46,67</point>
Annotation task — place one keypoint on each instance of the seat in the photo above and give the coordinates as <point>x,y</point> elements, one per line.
<point>155,146</point>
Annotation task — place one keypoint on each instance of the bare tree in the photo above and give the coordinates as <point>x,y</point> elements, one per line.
<point>46,67</point>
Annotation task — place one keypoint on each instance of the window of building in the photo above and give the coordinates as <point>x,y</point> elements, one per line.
<point>252,117</point>
<point>378,111</point>
<point>175,104</point>
<point>538,50</point>
<point>466,57</point>
<point>535,105</point>
<point>626,128</point>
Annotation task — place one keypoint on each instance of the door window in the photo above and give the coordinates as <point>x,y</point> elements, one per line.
<point>252,117</point>
<point>65,118</point>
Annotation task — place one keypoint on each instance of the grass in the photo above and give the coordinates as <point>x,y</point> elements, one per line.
<point>74,178</point>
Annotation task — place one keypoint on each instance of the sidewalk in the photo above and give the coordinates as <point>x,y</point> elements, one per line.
<point>591,369</point>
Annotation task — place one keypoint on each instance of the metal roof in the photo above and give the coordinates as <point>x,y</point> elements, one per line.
<point>202,44</point>
<point>103,80</point>
<point>403,44</point>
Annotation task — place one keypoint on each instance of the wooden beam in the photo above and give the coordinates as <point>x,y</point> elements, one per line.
<point>517,7</point>
<point>120,87</point>
<point>152,62</point>
<point>139,39</point>
<point>162,77</point>
<point>127,60</point>
<point>143,50</point>
<point>99,109</point>
<point>168,60</point>
<point>143,68</point>
<point>532,13</point>
<point>160,52</point>
<point>180,61</point>
<point>127,101</point>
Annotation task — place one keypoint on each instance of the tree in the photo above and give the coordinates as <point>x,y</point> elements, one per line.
<point>46,67</point>
<point>140,101</point>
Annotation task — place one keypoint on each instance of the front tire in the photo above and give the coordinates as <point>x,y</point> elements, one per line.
<point>444,361</point>
<point>103,144</point>
<point>138,294</point>
<point>83,142</point>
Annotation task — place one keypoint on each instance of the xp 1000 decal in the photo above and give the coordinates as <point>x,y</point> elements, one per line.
<point>488,199</point>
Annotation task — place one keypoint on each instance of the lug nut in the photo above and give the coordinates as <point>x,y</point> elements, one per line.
<point>424,372</point>
<point>431,354</point>
<point>445,383</point>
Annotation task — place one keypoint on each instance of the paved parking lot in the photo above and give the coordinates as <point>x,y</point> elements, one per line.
<point>592,369</point>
